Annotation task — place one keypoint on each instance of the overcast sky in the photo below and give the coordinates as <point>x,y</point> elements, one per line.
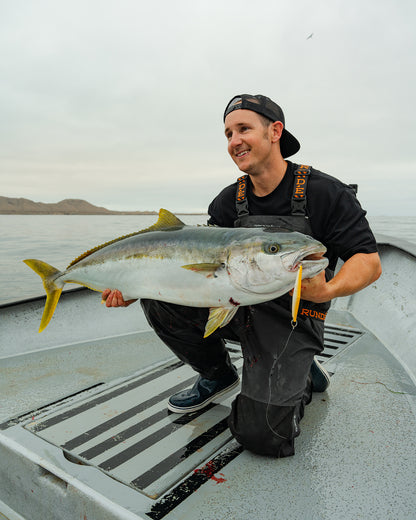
<point>120,102</point>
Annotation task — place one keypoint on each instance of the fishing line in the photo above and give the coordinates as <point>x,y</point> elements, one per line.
<point>276,359</point>
<point>295,308</point>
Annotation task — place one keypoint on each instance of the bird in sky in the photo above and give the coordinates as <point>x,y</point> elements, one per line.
<point>310,36</point>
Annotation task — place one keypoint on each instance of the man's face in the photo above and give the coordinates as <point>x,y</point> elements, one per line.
<point>249,141</point>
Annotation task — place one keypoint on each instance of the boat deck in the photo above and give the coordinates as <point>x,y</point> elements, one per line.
<point>127,431</point>
<point>120,436</point>
<point>85,433</point>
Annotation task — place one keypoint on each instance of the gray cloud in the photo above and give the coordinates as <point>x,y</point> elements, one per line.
<point>121,102</point>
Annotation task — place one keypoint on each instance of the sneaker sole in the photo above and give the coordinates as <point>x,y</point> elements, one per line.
<point>195,408</point>
<point>324,375</point>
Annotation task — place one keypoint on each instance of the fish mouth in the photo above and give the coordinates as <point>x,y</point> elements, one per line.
<point>310,257</point>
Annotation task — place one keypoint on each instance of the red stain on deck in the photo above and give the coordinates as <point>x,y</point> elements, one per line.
<point>233,302</point>
<point>209,471</point>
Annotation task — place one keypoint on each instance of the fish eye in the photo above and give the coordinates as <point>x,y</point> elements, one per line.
<point>271,249</point>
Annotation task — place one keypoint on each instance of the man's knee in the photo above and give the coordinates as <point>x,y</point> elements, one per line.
<point>262,429</point>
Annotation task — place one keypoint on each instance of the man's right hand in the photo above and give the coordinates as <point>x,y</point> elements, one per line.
<point>114,298</point>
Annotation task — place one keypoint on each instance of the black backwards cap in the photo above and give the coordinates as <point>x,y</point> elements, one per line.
<point>264,106</point>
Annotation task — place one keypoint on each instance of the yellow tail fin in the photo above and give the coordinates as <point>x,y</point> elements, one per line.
<point>53,291</point>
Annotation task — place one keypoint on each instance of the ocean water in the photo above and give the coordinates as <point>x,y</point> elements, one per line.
<point>58,239</point>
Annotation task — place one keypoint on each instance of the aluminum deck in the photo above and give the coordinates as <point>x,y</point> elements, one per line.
<point>127,432</point>
<point>179,466</point>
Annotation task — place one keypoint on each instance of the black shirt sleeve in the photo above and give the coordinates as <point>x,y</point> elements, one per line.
<point>337,218</point>
<point>346,230</point>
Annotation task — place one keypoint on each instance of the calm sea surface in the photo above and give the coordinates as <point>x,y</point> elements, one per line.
<point>58,239</point>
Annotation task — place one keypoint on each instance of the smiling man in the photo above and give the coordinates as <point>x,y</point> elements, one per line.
<point>279,376</point>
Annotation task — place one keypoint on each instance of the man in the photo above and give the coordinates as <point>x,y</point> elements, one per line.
<point>278,375</point>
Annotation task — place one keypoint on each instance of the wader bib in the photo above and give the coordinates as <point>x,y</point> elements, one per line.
<point>298,219</point>
<point>265,415</point>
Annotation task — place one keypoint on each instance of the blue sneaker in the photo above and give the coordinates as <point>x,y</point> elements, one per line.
<point>320,377</point>
<point>202,393</point>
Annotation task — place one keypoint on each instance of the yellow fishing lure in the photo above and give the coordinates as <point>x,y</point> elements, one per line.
<point>296,295</point>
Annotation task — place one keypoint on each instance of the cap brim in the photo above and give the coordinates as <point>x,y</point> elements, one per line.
<point>289,145</point>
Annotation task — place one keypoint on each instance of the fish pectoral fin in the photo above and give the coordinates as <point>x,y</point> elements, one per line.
<point>209,270</point>
<point>218,317</point>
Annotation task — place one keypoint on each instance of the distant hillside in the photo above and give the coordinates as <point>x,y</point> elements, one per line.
<point>20,206</point>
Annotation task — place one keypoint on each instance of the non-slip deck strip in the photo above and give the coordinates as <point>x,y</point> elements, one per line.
<point>72,411</point>
<point>150,440</point>
<point>146,479</point>
<point>336,339</point>
<point>123,416</point>
<point>200,475</point>
<point>127,431</point>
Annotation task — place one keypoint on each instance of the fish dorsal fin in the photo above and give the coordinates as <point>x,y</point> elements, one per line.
<point>166,220</point>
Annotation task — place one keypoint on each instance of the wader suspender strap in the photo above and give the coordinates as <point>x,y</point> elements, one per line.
<point>298,197</point>
<point>299,190</point>
<point>241,198</point>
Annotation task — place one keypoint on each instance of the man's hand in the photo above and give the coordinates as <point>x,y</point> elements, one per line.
<point>114,298</point>
<point>316,289</point>
<point>357,272</point>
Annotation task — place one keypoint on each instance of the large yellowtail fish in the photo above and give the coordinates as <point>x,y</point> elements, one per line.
<point>199,266</point>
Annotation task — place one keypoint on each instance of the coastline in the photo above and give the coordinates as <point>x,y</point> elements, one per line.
<point>22,206</point>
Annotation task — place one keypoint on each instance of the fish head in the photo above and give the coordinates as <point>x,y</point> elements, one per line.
<point>268,262</point>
